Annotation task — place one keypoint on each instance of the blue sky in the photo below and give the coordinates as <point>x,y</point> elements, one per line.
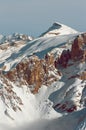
<point>35,16</point>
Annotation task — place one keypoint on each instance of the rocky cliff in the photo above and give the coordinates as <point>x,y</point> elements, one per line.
<point>34,72</point>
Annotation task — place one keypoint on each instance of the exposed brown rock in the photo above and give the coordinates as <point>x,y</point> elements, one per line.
<point>63,59</point>
<point>34,72</point>
<point>11,76</point>
<point>78,50</point>
<point>83,75</point>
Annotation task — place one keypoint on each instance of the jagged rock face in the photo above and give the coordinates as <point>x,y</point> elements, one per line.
<point>8,96</point>
<point>78,50</point>
<point>34,72</point>
<point>64,58</point>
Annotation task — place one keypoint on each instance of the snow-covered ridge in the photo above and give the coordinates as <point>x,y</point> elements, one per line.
<point>14,37</point>
<point>58,29</point>
<point>12,55</point>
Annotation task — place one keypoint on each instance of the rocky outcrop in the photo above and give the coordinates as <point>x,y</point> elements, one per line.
<point>82,76</point>
<point>78,50</point>
<point>34,72</point>
<point>63,59</point>
<point>8,96</point>
<point>76,53</point>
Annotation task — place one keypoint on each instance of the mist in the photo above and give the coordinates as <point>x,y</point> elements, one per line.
<point>65,122</point>
<point>37,125</point>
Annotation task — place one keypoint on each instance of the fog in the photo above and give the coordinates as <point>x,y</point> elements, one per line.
<point>62,123</point>
<point>65,122</point>
<point>37,125</point>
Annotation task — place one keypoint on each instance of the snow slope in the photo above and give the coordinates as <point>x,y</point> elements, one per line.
<point>14,53</point>
<point>58,29</point>
<point>40,46</point>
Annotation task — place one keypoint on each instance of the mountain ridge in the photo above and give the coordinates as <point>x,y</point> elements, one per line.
<point>44,79</point>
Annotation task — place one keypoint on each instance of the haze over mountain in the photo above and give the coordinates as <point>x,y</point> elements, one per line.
<point>34,17</point>
<point>43,80</point>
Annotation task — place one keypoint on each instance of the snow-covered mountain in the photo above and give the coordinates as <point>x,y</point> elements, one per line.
<point>14,37</point>
<point>43,80</point>
<point>58,29</point>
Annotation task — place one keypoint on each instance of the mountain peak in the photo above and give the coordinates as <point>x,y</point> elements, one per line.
<point>58,29</point>
<point>55,25</point>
